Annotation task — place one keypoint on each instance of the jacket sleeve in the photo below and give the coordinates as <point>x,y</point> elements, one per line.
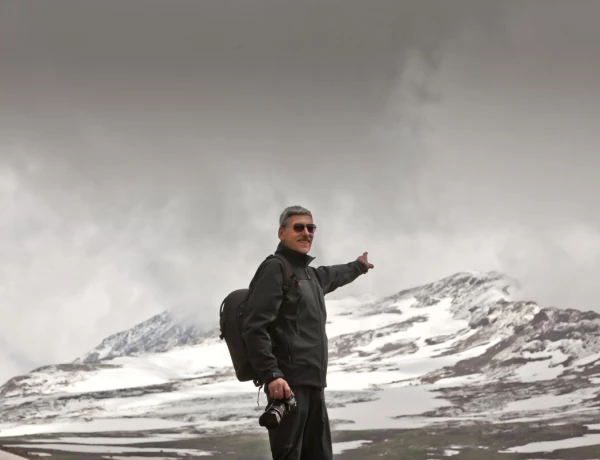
<point>334,276</point>
<point>261,310</point>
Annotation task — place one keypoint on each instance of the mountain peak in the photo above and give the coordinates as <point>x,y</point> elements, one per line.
<point>159,333</point>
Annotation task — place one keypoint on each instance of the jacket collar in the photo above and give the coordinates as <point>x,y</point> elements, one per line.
<point>295,257</point>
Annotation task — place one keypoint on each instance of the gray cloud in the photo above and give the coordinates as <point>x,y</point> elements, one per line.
<point>147,149</point>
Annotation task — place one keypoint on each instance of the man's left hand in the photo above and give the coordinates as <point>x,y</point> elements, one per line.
<point>365,261</point>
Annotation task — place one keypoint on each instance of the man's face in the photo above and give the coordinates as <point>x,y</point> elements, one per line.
<point>295,235</point>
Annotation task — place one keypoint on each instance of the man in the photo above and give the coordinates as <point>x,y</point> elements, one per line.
<point>286,339</point>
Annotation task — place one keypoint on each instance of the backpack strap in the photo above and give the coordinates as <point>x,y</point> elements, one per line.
<point>289,280</point>
<point>289,277</point>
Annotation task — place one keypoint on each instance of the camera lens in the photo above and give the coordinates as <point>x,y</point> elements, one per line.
<point>270,419</point>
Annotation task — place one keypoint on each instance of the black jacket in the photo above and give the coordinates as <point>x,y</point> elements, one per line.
<point>285,334</point>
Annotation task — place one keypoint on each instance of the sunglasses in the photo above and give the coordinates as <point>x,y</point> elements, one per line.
<point>300,228</point>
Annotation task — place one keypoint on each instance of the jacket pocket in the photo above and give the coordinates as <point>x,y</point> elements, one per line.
<point>283,349</point>
<point>291,314</point>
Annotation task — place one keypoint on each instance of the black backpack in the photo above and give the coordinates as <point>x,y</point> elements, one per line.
<point>231,321</point>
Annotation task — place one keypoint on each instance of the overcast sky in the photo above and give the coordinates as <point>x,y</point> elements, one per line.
<point>148,147</point>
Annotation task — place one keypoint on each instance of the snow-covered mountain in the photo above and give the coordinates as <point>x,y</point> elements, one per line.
<point>462,348</point>
<point>157,334</point>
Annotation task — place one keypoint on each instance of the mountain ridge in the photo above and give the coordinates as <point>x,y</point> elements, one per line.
<point>159,333</point>
<point>162,331</point>
<point>468,345</point>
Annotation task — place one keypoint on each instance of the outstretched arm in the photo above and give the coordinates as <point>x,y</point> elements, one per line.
<point>332,277</point>
<point>261,310</point>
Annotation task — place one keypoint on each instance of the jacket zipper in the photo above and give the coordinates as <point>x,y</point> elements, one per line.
<point>289,346</point>
<point>318,299</point>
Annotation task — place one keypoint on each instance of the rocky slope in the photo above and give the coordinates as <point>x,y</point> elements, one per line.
<point>460,349</point>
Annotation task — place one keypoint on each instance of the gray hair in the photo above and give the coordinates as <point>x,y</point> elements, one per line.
<point>292,211</point>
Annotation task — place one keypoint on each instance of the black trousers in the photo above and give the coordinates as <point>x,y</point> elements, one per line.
<point>305,433</point>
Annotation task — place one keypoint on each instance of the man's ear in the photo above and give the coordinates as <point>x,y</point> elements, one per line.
<point>280,233</point>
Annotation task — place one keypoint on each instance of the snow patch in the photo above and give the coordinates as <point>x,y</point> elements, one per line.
<point>549,401</point>
<point>396,407</point>
<point>83,448</point>
<point>115,440</point>
<point>339,447</point>
<point>97,425</point>
<point>551,446</point>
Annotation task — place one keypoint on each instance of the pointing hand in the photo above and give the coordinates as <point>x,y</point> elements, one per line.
<point>365,261</point>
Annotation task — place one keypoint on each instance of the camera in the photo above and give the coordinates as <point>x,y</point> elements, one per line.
<point>275,411</point>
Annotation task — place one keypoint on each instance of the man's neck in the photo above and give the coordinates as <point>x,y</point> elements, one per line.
<point>294,256</point>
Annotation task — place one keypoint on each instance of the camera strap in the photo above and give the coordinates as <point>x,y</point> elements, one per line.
<point>258,395</point>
